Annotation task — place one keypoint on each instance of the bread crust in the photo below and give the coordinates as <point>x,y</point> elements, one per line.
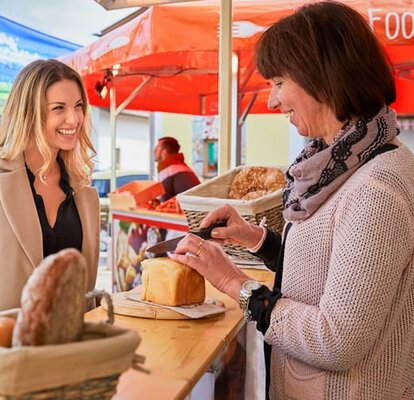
<point>253,182</point>
<point>53,301</point>
<point>170,283</point>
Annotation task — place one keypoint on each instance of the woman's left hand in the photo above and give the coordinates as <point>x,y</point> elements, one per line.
<point>209,259</point>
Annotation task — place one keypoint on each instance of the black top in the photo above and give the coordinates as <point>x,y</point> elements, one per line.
<point>67,231</point>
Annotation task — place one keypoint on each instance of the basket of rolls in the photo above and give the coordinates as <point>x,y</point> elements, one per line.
<point>255,192</point>
<point>48,351</point>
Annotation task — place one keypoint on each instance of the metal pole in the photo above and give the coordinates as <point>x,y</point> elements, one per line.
<point>112,127</point>
<point>133,94</point>
<point>152,137</point>
<point>236,140</point>
<point>225,80</point>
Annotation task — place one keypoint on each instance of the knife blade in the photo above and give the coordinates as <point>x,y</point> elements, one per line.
<point>171,244</point>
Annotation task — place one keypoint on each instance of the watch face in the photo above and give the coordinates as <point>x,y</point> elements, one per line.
<point>251,285</point>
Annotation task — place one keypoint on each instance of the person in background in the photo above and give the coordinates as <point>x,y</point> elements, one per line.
<point>174,174</point>
<point>340,319</point>
<point>46,202</point>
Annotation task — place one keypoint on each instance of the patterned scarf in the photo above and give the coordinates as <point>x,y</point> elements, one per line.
<point>320,170</point>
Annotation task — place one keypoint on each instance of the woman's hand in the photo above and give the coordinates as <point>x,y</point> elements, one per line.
<point>209,259</point>
<point>238,230</point>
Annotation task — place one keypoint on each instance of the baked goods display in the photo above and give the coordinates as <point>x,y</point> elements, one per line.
<point>53,301</point>
<point>167,282</point>
<point>253,182</point>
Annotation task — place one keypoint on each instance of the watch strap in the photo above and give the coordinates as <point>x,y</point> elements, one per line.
<point>245,295</point>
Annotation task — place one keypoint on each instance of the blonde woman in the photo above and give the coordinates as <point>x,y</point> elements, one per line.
<point>46,202</point>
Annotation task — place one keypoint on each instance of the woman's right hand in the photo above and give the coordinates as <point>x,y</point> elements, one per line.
<point>212,262</point>
<point>237,231</point>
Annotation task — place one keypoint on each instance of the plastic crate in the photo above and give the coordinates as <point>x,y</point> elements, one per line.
<point>136,194</point>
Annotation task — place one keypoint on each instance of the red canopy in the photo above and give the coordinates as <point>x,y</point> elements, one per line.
<point>177,45</point>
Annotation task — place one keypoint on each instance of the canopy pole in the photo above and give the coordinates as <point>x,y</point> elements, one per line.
<point>236,137</point>
<point>112,127</point>
<point>246,111</point>
<point>225,85</point>
<point>133,94</point>
<point>113,114</point>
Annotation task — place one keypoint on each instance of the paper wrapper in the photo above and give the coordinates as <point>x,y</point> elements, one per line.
<point>209,308</point>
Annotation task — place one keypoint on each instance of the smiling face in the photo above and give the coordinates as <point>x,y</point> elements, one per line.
<point>64,115</point>
<point>310,117</point>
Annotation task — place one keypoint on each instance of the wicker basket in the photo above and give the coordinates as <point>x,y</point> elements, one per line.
<point>88,369</point>
<point>200,200</point>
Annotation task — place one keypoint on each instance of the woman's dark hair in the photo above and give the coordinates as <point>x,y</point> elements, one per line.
<point>330,51</point>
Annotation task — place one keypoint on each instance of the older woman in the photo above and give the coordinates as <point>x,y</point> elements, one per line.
<point>46,203</point>
<point>340,319</point>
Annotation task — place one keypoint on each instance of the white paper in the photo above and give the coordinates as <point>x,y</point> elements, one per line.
<point>207,309</point>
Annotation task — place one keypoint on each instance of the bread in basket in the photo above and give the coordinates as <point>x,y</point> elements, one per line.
<point>86,367</point>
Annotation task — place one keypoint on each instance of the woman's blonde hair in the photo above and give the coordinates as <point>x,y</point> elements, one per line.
<point>24,119</point>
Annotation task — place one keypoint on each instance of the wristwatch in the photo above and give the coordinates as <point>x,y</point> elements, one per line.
<point>245,294</point>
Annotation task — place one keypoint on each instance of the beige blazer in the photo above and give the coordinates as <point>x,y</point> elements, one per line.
<point>21,245</point>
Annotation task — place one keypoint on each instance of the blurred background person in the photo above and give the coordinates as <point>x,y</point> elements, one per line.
<point>174,174</point>
<point>46,202</point>
<point>339,321</point>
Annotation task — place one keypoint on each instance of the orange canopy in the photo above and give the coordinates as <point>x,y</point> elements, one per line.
<point>177,45</point>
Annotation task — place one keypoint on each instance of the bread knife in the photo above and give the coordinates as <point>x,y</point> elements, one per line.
<point>171,244</point>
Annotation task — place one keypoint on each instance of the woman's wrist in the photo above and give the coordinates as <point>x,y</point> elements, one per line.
<point>257,238</point>
<point>236,285</point>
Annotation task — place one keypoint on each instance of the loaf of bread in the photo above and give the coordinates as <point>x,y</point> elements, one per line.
<point>253,182</point>
<point>53,301</point>
<point>167,282</point>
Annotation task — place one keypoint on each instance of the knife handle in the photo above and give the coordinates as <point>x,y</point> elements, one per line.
<point>205,233</point>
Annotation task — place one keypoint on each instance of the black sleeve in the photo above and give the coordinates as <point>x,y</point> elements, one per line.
<point>260,311</point>
<point>263,300</point>
<point>269,252</point>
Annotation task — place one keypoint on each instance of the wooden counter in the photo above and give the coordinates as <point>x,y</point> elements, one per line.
<point>178,352</point>
<point>153,218</point>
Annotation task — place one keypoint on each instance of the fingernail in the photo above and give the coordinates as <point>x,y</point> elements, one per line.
<point>214,233</point>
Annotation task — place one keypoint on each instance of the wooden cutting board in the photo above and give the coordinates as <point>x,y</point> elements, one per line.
<point>124,306</point>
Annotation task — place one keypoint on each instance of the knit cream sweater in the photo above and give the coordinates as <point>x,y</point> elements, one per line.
<point>344,328</point>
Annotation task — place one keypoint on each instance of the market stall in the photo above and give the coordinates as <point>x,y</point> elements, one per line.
<point>176,58</point>
<point>165,60</point>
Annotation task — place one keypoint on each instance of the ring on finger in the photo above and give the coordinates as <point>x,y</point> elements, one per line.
<point>201,244</point>
<point>198,251</point>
